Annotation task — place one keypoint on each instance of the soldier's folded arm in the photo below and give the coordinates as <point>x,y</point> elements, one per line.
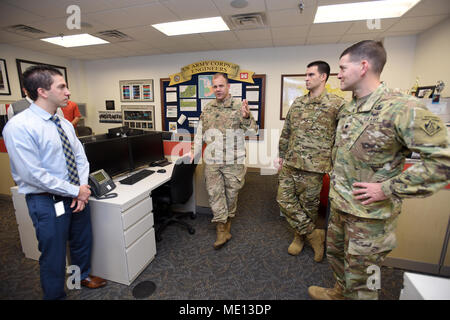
<point>425,133</point>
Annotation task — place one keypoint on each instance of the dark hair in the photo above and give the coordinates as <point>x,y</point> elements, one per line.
<point>39,76</point>
<point>373,51</point>
<point>221,74</point>
<point>322,67</point>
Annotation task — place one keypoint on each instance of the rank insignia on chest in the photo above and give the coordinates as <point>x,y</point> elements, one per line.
<point>431,126</point>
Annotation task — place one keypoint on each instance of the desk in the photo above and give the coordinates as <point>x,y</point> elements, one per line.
<point>122,228</point>
<point>424,287</point>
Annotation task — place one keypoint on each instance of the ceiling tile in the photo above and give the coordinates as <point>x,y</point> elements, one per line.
<point>288,4</point>
<point>282,18</point>
<point>417,23</point>
<point>371,26</point>
<point>252,35</point>
<point>329,29</point>
<point>9,37</point>
<point>11,15</point>
<point>285,25</point>
<point>221,36</point>
<point>330,2</point>
<point>290,32</point>
<point>38,45</point>
<point>323,40</point>
<point>289,41</point>
<point>256,43</point>
<point>353,38</point>
<point>227,45</point>
<point>186,10</point>
<point>58,26</point>
<point>253,6</point>
<point>429,8</point>
<point>135,16</point>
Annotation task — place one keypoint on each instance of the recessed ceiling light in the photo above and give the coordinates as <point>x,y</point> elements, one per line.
<point>192,26</point>
<point>76,40</point>
<point>363,10</point>
<point>239,4</point>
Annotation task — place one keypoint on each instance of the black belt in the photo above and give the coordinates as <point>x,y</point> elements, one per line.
<point>47,194</point>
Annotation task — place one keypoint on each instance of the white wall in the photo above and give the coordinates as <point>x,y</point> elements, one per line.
<point>102,76</point>
<point>95,81</point>
<point>432,61</point>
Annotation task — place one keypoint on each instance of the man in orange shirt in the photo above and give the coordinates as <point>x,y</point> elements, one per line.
<point>72,113</point>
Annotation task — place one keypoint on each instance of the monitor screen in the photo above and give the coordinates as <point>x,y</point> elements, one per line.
<point>111,155</point>
<point>82,108</point>
<point>146,148</point>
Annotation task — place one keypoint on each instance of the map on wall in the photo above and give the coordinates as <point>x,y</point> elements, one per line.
<point>205,89</point>
<point>189,91</point>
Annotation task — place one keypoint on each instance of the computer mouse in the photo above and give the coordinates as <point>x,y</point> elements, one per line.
<point>161,170</point>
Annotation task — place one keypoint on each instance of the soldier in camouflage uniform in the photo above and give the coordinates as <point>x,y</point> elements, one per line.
<point>305,155</point>
<point>223,121</point>
<point>375,132</point>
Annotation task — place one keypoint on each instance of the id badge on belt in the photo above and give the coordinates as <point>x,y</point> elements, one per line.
<point>59,207</point>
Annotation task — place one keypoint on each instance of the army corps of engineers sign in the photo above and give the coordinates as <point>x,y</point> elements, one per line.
<point>231,69</point>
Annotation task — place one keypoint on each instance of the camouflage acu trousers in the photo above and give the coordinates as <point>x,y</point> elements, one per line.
<point>355,248</point>
<point>299,197</point>
<point>223,183</point>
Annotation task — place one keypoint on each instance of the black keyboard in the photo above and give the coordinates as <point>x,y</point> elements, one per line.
<point>136,177</point>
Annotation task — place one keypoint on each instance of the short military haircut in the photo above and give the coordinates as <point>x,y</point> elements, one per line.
<point>39,76</point>
<point>322,67</point>
<point>221,74</point>
<point>370,50</point>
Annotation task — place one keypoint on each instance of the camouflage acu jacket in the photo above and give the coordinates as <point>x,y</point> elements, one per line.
<point>372,141</point>
<point>223,129</point>
<point>308,133</point>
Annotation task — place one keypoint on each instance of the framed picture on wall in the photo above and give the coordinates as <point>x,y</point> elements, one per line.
<point>4,81</point>
<point>425,92</point>
<point>23,65</point>
<point>136,90</point>
<point>294,86</point>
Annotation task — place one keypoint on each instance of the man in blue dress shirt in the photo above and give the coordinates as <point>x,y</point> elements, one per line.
<point>50,167</point>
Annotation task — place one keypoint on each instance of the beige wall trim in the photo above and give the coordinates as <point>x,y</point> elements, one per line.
<point>411,265</point>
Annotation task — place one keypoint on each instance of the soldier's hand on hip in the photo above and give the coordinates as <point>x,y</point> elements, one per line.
<point>368,192</point>
<point>244,109</point>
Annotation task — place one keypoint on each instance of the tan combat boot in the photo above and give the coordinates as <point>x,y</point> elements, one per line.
<point>221,235</point>
<point>297,245</point>
<point>319,293</point>
<point>228,229</point>
<point>316,239</point>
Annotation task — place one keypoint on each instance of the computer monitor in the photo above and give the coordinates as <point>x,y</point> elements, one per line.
<point>82,108</point>
<point>146,148</point>
<point>111,155</point>
<point>123,131</point>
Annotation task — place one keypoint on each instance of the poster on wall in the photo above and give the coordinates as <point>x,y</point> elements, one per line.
<point>23,65</point>
<point>110,116</point>
<point>136,90</point>
<point>205,89</point>
<point>4,81</point>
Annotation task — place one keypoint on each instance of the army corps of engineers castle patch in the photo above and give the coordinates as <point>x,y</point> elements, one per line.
<point>431,125</point>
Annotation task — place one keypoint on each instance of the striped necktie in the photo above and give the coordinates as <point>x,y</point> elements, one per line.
<point>68,154</point>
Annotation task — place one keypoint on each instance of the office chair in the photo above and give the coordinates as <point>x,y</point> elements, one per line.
<point>177,191</point>
<point>83,131</point>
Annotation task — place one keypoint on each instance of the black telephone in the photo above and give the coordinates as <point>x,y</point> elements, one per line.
<point>101,184</point>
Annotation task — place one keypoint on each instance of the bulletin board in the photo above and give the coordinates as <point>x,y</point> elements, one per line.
<point>183,103</point>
